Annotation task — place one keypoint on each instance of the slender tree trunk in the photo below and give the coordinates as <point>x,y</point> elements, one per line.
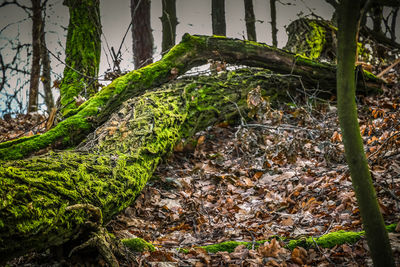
<point>218,17</point>
<point>250,19</point>
<point>142,37</point>
<point>46,76</point>
<point>273,23</point>
<point>377,17</point>
<point>82,52</point>
<point>393,24</point>
<point>373,223</point>
<point>169,22</point>
<point>35,67</point>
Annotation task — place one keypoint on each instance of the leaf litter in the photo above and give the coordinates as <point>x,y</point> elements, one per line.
<point>283,176</point>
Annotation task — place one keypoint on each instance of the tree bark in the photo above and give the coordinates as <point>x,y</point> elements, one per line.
<point>82,52</point>
<point>192,51</point>
<point>250,20</point>
<point>377,17</point>
<point>218,17</point>
<point>46,76</point>
<point>274,30</point>
<point>142,37</point>
<point>393,24</point>
<point>312,38</point>
<point>169,22</point>
<point>372,219</point>
<point>317,39</point>
<point>35,65</point>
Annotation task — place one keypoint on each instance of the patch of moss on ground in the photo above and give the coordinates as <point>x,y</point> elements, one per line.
<point>230,246</point>
<point>326,241</point>
<point>138,244</point>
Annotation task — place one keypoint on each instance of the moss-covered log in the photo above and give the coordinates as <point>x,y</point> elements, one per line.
<point>192,51</point>
<point>111,167</point>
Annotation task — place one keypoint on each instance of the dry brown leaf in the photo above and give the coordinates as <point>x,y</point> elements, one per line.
<point>287,222</point>
<point>271,249</point>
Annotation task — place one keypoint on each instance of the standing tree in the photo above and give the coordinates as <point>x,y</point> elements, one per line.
<point>35,65</point>
<point>169,22</point>
<point>250,19</point>
<point>274,30</point>
<point>142,37</point>
<point>40,56</point>
<point>218,17</point>
<point>82,52</point>
<point>45,62</point>
<point>373,223</point>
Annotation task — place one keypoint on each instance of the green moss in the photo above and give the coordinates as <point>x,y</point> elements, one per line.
<point>138,244</point>
<point>326,241</point>
<point>307,61</point>
<point>183,250</point>
<point>391,228</point>
<point>316,40</point>
<point>370,76</point>
<point>34,193</point>
<point>82,51</point>
<point>72,130</point>
<point>230,246</point>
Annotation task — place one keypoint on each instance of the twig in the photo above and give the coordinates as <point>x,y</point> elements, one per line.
<point>383,145</point>
<point>320,251</point>
<point>388,68</point>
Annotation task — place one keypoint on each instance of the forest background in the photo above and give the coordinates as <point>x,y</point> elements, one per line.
<point>194,17</point>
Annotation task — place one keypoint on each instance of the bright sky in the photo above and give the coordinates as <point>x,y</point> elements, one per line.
<point>194,17</point>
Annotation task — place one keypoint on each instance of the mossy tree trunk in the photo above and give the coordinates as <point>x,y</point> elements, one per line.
<point>169,22</point>
<point>142,36</point>
<point>82,52</point>
<point>375,230</point>
<point>192,51</point>
<point>313,38</point>
<point>218,17</point>
<point>250,20</point>
<point>39,196</point>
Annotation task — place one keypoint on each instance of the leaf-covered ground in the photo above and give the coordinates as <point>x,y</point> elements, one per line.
<point>281,174</point>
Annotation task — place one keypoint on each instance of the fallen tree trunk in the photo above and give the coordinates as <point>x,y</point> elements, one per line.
<point>191,52</point>
<point>56,198</point>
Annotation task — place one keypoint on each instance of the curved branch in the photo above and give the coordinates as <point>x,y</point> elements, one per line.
<point>192,51</point>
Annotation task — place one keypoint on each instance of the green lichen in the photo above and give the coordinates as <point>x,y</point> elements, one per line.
<point>138,244</point>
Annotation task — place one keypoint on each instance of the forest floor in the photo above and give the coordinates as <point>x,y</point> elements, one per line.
<point>283,174</point>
